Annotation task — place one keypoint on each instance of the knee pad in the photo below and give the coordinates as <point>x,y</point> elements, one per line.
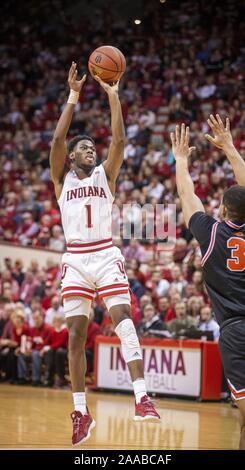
<point>74,306</point>
<point>113,300</point>
<point>131,351</point>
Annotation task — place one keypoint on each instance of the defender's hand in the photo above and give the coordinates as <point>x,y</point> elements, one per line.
<point>109,89</point>
<point>75,84</point>
<point>180,142</point>
<point>222,135</point>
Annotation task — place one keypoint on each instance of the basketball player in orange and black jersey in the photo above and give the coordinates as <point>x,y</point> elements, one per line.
<point>85,194</point>
<point>223,249</point>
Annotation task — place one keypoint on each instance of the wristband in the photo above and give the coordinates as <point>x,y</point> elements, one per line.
<point>73,97</point>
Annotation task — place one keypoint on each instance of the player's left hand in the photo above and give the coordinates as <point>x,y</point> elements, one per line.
<point>222,134</point>
<point>180,142</point>
<point>74,84</point>
<point>109,89</point>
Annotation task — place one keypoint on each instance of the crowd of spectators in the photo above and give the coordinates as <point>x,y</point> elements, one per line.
<point>33,333</point>
<point>184,61</point>
<point>34,340</point>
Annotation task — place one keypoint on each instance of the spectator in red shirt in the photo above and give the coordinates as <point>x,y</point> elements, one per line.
<point>38,337</point>
<point>166,313</point>
<point>55,352</point>
<point>52,269</point>
<point>49,209</point>
<point>20,329</point>
<point>203,187</point>
<point>48,295</point>
<point>135,310</point>
<point>135,265</point>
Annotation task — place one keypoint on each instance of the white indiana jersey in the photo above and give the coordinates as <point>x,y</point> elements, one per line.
<point>86,207</point>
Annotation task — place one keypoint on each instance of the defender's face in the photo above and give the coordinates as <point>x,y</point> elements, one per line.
<point>85,154</point>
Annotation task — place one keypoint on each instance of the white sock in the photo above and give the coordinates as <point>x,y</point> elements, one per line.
<point>79,400</point>
<point>139,389</point>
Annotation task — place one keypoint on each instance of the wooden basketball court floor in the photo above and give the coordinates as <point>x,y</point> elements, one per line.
<point>35,418</point>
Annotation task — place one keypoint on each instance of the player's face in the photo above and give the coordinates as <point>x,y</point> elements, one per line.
<point>85,155</point>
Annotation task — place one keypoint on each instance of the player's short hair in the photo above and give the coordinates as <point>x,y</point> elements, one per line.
<point>234,201</point>
<point>73,142</point>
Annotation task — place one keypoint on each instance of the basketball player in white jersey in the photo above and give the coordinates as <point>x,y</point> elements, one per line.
<point>85,194</point>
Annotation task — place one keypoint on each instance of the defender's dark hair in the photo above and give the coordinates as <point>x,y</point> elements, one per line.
<point>73,142</point>
<point>234,201</point>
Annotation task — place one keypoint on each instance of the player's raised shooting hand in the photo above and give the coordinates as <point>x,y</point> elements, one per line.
<point>180,142</point>
<point>222,134</point>
<point>74,84</point>
<point>109,89</point>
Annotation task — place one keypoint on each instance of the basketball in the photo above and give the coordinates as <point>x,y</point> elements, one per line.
<point>108,63</point>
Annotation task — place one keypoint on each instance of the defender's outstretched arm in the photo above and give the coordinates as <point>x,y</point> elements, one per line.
<point>223,140</point>
<point>185,187</point>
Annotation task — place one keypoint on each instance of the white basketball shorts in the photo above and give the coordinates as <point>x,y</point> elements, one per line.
<point>84,274</point>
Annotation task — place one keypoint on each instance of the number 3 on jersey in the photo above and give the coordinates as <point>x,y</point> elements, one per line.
<point>237,260</point>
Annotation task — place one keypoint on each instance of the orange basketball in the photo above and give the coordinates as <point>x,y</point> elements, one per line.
<point>108,63</point>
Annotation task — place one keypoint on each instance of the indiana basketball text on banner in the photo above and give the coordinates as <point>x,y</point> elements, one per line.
<point>169,369</point>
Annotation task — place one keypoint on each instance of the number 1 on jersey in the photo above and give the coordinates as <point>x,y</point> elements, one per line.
<point>89,217</point>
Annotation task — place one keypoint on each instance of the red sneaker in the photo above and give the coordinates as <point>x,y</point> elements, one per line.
<point>82,425</point>
<point>145,410</point>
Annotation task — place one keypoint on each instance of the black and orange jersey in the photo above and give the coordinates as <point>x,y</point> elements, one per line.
<point>223,259</point>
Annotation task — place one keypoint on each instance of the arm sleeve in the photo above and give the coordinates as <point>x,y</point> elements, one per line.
<point>201,225</point>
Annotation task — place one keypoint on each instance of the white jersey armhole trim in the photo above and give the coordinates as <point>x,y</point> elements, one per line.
<point>108,187</point>
<point>211,244</point>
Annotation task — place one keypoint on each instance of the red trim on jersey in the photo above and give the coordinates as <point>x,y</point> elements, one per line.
<point>211,244</point>
<point>232,225</point>
<point>77,294</point>
<point>90,251</point>
<point>112,286</point>
<point>64,268</point>
<point>81,245</point>
<point>114,292</point>
<point>65,289</point>
<point>237,394</point>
